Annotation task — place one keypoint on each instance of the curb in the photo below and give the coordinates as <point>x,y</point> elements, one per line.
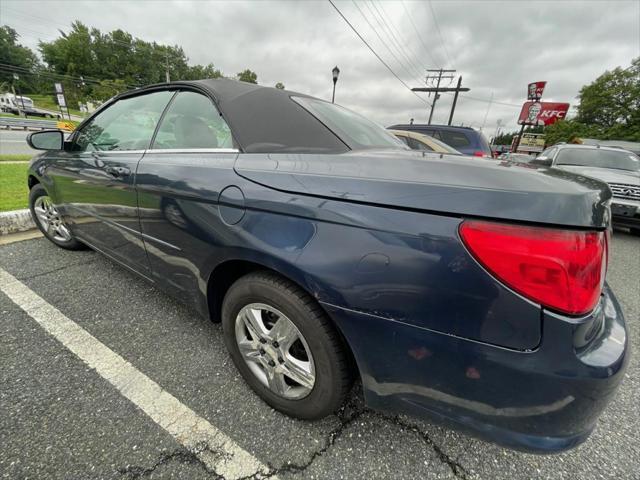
<point>16,221</point>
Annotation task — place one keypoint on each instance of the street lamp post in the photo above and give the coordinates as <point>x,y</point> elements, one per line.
<point>335,72</point>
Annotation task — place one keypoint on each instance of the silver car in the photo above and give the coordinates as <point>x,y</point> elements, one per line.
<point>619,168</point>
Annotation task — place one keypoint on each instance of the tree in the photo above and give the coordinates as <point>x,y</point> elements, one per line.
<point>280,86</point>
<point>21,60</point>
<point>612,99</point>
<point>115,61</point>
<point>248,76</point>
<point>198,72</point>
<point>609,109</point>
<point>107,89</point>
<point>568,130</point>
<point>504,138</point>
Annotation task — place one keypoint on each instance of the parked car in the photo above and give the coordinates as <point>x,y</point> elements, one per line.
<point>619,168</point>
<point>454,289</point>
<point>466,140</point>
<point>17,104</point>
<point>516,157</point>
<point>419,141</point>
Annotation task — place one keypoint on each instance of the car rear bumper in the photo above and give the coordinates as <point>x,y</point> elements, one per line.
<point>545,400</point>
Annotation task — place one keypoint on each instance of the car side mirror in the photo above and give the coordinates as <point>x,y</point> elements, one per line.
<point>46,140</point>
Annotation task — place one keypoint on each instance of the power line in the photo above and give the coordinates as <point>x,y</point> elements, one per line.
<point>393,39</point>
<point>435,20</point>
<point>468,97</point>
<point>401,38</point>
<point>59,76</point>
<point>374,52</point>
<point>424,45</point>
<point>402,65</point>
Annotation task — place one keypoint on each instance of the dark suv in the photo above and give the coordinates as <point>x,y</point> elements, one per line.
<point>464,139</point>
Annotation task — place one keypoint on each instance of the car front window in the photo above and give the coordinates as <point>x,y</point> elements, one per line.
<point>599,158</point>
<point>353,129</point>
<point>128,124</point>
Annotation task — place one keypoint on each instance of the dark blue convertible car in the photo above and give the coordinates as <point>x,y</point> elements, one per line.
<point>464,290</point>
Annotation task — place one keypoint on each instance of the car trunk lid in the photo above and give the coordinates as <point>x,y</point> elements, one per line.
<point>440,184</point>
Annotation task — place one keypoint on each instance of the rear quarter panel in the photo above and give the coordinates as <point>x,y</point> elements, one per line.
<point>404,266</point>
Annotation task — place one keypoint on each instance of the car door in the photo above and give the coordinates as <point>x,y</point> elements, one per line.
<point>179,181</point>
<point>94,177</point>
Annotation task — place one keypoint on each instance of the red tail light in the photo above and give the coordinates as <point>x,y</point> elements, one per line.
<point>563,270</point>
<point>479,153</point>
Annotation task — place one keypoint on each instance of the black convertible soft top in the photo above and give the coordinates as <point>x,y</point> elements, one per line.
<point>263,119</point>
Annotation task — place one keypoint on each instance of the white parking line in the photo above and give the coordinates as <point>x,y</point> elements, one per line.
<point>219,452</point>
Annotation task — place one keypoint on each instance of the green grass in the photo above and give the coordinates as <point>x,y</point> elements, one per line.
<point>15,157</point>
<point>47,102</point>
<point>14,193</point>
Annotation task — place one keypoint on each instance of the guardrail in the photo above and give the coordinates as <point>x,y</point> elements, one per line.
<point>26,124</point>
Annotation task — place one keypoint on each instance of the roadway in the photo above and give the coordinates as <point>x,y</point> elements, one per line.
<point>14,142</point>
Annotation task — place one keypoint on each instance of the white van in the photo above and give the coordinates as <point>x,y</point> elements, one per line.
<point>16,104</point>
<point>13,103</point>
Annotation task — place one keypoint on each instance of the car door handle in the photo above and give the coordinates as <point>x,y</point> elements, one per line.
<point>117,171</point>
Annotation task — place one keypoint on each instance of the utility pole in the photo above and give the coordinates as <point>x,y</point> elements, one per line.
<point>455,99</point>
<point>166,65</point>
<point>487,112</point>
<point>437,78</point>
<point>15,79</point>
<point>495,135</point>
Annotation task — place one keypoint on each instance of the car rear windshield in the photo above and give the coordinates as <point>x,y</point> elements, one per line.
<point>355,130</point>
<point>599,158</point>
<point>455,139</point>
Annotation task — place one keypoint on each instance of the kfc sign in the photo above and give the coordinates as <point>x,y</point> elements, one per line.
<point>542,113</point>
<point>535,89</point>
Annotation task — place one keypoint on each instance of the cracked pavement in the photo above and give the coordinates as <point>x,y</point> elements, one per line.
<point>59,419</point>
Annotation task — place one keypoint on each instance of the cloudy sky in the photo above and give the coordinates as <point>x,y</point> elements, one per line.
<point>497,46</point>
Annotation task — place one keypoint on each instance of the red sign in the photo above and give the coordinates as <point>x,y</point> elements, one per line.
<point>535,89</point>
<point>542,113</point>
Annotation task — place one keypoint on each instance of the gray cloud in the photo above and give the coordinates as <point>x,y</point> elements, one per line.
<point>498,47</point>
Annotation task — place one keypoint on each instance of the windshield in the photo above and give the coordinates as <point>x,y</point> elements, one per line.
<point>599,158</point>
<point>353,129</point>
<point>19,101</point>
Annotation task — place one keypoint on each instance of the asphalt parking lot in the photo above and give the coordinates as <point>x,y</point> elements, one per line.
<point>61,418</point>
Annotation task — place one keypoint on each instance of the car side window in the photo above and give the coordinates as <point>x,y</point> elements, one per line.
<point>128,124</point>
<point>431,133</point>
<point>416,145</point>
<point>192,121</point>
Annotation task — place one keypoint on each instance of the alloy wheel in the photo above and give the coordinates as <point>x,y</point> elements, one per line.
<point>49,219</point>
<point>275,351</point>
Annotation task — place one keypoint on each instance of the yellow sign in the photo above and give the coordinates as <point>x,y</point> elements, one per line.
<point>66,126</point>
<point>531,142</point>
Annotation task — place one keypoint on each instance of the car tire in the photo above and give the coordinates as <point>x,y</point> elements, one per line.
<point>48,220</point>
<point>277,299</point>
<point>635,231</point>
